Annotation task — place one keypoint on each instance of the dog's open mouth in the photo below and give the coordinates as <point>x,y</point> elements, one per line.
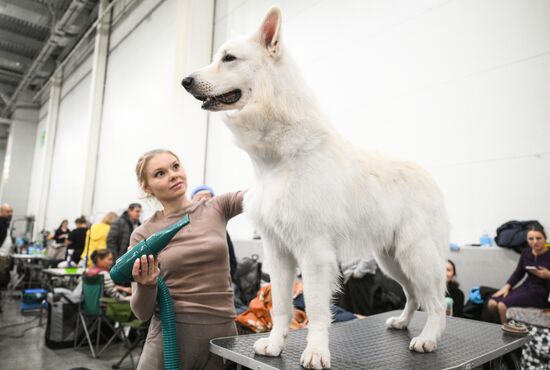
<point>228,98</point>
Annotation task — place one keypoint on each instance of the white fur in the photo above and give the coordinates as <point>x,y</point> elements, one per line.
<point>318,199</point>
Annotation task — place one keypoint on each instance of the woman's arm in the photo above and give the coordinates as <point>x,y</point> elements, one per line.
<point>124,289</point>
<point>503,291</point>
<point>109,288</point>
<point>541,272</point>
<point>518,273</point>
<point>230,204</point>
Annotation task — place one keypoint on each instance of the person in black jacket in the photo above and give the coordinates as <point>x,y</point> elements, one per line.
<point>118,239</point>
<point>77,238</point>
<point>453,291</point>
<point>6,213</point>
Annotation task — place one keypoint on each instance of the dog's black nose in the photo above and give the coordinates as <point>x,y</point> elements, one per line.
<point>187,82</point>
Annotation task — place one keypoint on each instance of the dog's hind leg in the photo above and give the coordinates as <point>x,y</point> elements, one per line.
<point>422,263</point>
<point>391,267</point>
<point>283,274</point>
<point>319,273</point>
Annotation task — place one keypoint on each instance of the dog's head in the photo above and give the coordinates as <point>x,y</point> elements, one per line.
<point>233,77</point>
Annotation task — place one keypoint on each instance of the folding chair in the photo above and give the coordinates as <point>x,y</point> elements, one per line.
<point>121,313</point>
<point>91,315</point>
<point>138,343</point>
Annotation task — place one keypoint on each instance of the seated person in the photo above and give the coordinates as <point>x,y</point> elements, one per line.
<point>102,260</point>
<point>453,291</point>
<point>535,262</point>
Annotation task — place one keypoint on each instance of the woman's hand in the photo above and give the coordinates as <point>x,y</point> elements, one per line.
<point>541,272</point>
<point>146,270</point>
<point>502,292</point>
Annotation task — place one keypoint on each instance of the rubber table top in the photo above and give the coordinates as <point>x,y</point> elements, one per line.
<point>368,344</point>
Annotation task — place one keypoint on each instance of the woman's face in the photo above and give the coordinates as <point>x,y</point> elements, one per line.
<point>105,263</point>
<point>64,224</point>
<point>450,272</point>
<point>536,241</point>
<point>166,178</point>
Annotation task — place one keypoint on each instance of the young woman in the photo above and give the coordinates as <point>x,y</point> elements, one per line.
<point>96,237</point>
<point>102,261</point>
<point>453,291</point>
<point>535,262</point>
<point>62,232</point>
<point>59,248</point>
<point>194,265</point>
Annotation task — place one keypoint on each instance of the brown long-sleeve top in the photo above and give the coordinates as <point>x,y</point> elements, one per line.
<point>195,264</point>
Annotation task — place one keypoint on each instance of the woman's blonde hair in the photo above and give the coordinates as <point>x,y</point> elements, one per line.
<point>142,163</point>
<point>109,218</point>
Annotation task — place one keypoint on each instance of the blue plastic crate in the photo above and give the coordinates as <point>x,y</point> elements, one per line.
<point>33,299</point>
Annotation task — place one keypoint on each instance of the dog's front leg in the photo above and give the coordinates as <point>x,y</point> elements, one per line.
<point>319,272</point>
<point>283,273</point>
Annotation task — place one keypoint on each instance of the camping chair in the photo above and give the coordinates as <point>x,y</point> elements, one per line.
<point>121,314</point>
<point>90,314</point>
<point>138,343</point>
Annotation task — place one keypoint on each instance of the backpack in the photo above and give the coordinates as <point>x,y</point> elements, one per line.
<point>248,276</point>
<point>513,234</point>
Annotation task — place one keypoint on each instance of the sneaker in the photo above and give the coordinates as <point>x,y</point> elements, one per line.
<point>513,327</point>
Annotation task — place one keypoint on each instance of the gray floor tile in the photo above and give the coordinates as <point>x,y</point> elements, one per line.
<point>22,346</point>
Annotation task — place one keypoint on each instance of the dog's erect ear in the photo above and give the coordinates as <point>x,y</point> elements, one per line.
<point>269,34</point>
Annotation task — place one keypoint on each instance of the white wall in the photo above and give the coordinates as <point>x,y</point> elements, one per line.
<point>461,87</point>
<point>71,148</point>
<point>14,189</point>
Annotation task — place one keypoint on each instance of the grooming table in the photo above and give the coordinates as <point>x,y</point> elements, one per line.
<point>368,344</point>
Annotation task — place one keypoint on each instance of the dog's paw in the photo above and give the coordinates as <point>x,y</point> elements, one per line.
<point>315,358</point>
<point>396,323</point>
<point>268,347</point>
<point>420,344</point>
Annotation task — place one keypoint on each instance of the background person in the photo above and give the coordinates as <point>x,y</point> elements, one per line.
<point>453,290</point>
<point>205,192</point>
<point>96,237</point>
<point>102,261</point>
<point>118,238</point>
<point>6,214</point>
<point>77,238</point>
<point>534,290</point>
<point>58,249</point>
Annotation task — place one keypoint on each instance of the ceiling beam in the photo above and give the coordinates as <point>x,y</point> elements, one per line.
<point>6,88</point>
<point>13,61</point>
<point>27,11</point>
<point>20,39</point>
<point>10,76</point>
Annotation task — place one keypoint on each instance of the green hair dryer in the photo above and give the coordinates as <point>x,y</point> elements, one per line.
<point>121,272</point>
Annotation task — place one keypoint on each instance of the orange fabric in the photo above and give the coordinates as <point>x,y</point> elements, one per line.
<point>258,316</point>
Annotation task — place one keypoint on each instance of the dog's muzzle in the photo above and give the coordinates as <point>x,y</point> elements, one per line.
<point>211,102</point>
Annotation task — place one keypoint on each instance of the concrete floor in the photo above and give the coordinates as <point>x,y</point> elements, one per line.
<point>30,352</point>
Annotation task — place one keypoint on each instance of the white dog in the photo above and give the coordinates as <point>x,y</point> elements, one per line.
<point>318,199</point>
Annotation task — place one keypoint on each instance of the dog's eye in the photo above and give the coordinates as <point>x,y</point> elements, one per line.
<point>228,58</point>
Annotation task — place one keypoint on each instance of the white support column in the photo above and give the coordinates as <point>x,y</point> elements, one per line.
<point>19,156</point>
<point>51,133</point>
<point>195,27</point>
<point>101,52</point>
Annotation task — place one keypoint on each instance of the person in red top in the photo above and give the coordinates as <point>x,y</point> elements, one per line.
<point>194,265</point>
